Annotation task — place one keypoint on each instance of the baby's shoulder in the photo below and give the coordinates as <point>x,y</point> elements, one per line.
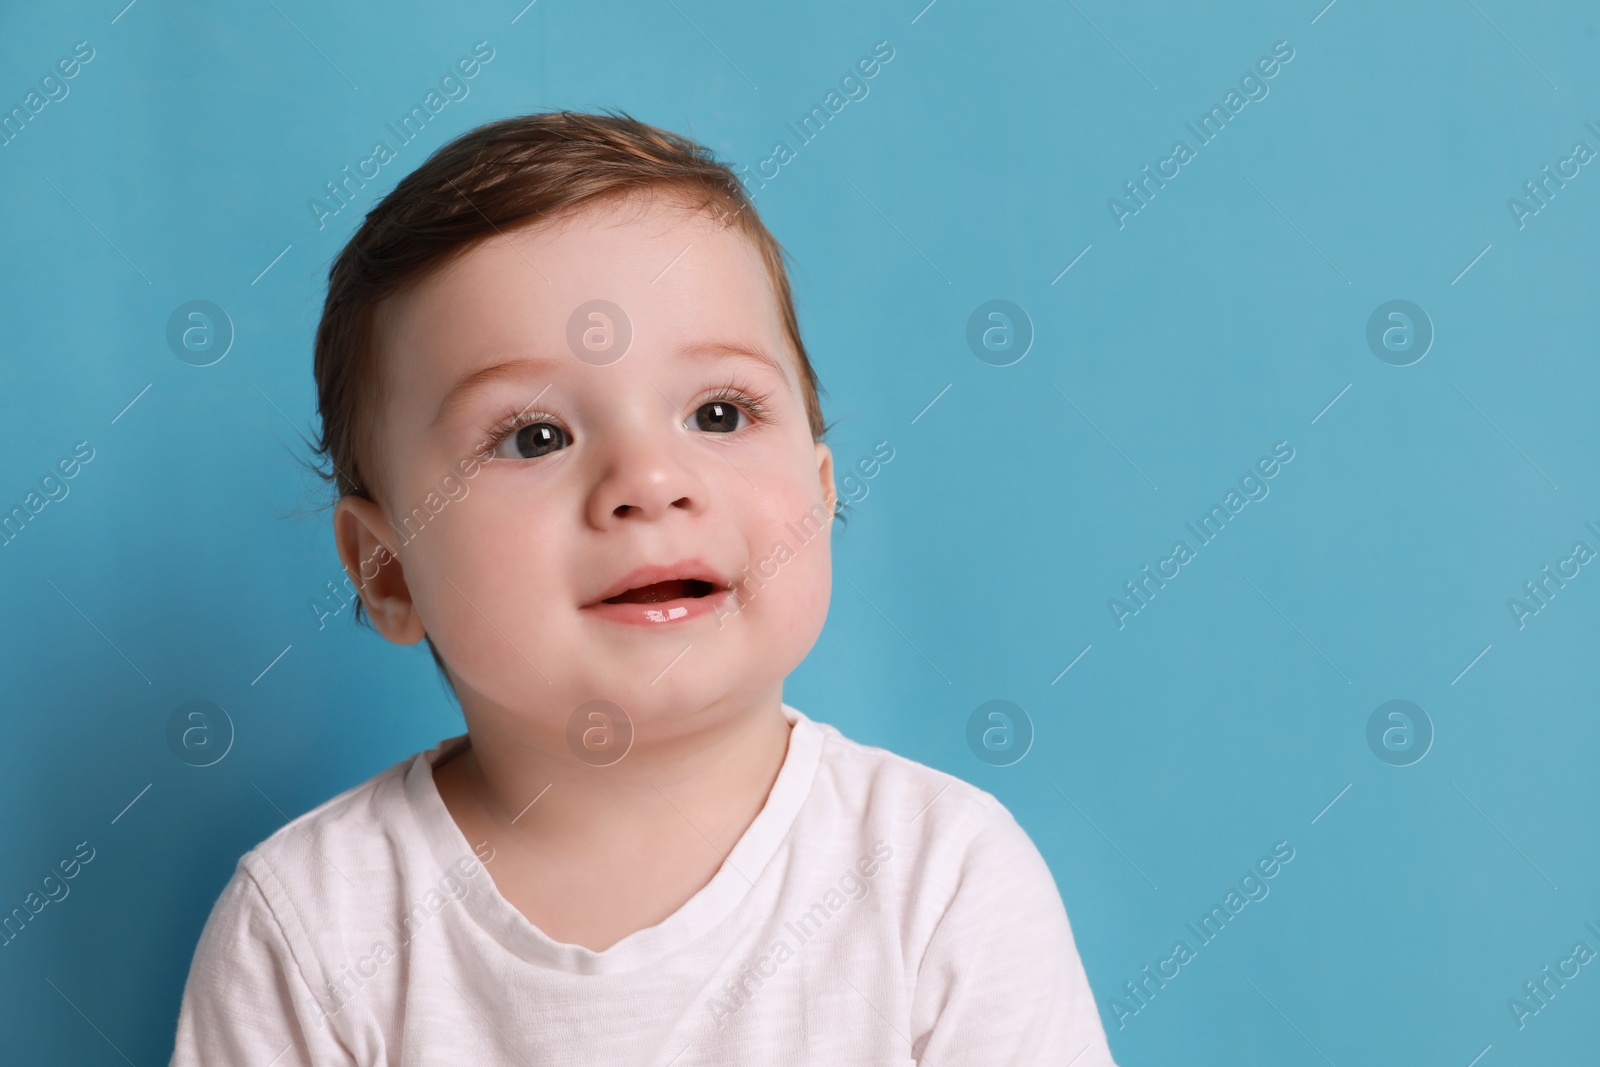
<point>330,886</point>
<point>875,787</point>
<point>949,846</point>
<point>339,855</point>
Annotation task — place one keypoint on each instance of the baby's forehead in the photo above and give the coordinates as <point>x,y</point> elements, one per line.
<point>659,268</point>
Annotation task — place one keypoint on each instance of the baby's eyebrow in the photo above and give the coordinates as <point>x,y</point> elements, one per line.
<point>734,350</point>
<point>533,368</point>
<point>475,380</point>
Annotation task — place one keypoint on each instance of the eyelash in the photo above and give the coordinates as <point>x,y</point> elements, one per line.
<point>752,401</point>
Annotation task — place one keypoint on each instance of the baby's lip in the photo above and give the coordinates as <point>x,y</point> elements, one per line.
<point>650,574</point>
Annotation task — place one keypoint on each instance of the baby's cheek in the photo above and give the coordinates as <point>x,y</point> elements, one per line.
<point>487,599</point>
<point>454,623</point>
<point>805,604</point>
<point>821,594</point>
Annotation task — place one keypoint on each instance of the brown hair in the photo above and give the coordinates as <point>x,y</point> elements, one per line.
<point>507,173</point>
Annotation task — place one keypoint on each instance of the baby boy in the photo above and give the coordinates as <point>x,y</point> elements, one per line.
<point>566,406</point>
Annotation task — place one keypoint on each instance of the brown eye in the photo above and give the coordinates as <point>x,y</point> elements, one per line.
<point>539,439</point>
<point>718,416</point>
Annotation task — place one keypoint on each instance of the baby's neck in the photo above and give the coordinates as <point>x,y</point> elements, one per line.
<point>652,827</point>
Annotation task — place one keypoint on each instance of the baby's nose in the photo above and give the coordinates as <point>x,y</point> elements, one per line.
<point>644,480</point>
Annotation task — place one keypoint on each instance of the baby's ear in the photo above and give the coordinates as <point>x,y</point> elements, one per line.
<point>825,476</point>
<point>375,570</point>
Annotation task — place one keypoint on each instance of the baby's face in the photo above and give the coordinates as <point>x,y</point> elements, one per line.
<point>689,459</point>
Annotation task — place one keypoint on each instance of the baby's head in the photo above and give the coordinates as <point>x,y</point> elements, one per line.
<point>558,363</point>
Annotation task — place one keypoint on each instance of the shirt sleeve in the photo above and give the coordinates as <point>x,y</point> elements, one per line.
<point>246,1000</point>
<point>1001,982</point>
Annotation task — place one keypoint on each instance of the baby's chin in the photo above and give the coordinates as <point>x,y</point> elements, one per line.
<point>656,680</point>
<point>689,676</point>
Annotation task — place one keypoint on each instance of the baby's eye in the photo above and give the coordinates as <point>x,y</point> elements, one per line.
<point>532,441</point>
<point>718,416</point>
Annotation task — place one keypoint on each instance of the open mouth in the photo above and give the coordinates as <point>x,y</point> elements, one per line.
<point>654,594</point>
<point>661,592</point>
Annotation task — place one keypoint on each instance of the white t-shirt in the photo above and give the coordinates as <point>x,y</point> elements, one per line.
<point>876,911</point>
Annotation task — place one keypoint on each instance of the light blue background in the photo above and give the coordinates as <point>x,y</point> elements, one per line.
<point>1224,317</point>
